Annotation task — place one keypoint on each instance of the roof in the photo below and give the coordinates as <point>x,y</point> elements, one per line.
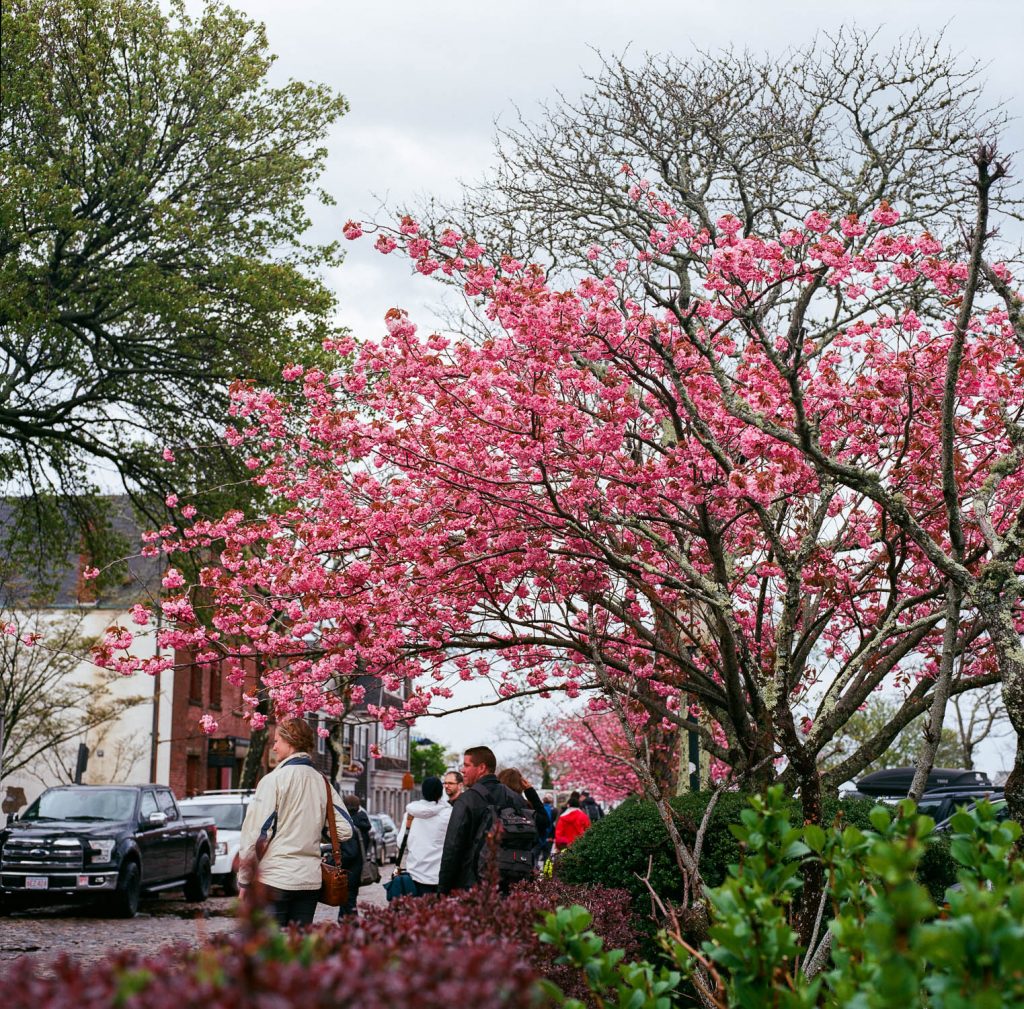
<point>140,580</point>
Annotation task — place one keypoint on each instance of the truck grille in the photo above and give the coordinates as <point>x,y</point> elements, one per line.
<point>39,853</point>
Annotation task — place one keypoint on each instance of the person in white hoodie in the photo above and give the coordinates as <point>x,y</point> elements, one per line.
<point>426,821</point>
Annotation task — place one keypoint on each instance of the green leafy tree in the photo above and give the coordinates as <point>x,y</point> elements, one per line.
<point>151,219</point>
<point>881,939</point>
<point>903,750</point>
<point>427,758</point>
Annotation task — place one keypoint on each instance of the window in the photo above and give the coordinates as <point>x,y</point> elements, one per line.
<point>167,804</point>
<point>195,684</point>
<point>148,805</point>
<point>395,743</point>
<point>361,741</point>
<point>215,686</point>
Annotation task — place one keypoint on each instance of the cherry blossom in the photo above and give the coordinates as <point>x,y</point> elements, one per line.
<point>598,494</point>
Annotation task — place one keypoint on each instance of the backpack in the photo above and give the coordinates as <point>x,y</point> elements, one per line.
<point>507,836</point>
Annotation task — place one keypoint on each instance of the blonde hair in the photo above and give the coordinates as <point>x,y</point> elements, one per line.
<point>297,732</point>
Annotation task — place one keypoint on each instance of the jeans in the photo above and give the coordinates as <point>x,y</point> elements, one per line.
<point>293,907</point>
<point>423,888</point>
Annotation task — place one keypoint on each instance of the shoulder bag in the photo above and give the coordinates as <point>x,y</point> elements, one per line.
<point>370,873</point>
<point>333,878</point>
<point>401,883</point>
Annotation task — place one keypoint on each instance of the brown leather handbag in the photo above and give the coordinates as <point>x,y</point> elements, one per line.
<point>333,878</point>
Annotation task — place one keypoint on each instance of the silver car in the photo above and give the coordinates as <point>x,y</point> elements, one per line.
<point>228,811</point>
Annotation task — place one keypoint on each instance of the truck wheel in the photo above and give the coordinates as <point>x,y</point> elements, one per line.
<point>124,901</point>
<point>197,886</point>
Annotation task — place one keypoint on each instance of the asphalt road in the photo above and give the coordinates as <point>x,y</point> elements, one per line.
<point>86,934</point>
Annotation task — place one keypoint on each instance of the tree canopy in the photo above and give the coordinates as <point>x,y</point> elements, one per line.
<point>154,196</point>
<point>598,493</point>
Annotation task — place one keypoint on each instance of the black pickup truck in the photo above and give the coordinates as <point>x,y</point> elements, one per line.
<point>110,843</point>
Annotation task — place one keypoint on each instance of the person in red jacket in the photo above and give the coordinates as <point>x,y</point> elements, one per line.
<point>571,823</point>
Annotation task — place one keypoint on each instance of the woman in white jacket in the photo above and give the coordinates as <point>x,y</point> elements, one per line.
<point>289,811</point>
<point>426,821</point>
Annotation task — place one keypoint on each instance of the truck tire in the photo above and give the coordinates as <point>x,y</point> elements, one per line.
<point>197,886</point>
<point>124,901</point>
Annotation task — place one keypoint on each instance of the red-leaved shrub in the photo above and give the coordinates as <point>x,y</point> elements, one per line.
<point>471,949</point>
<point>508,923</point>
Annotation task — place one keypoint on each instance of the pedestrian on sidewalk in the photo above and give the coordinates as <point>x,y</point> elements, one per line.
<point>426,822</point>
<point>514,779</point>
<point>356,854</point>
<point>282,827</point>
<point>571,823</point>
<point>590,806</point>
<point>452,785</point>
<point>472,815</point>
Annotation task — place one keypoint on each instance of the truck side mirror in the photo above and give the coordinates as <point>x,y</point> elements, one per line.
<point>157,819</point>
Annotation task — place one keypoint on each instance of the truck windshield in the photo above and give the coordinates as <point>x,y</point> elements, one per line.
<point>83,804</point>
<point>227,815</point>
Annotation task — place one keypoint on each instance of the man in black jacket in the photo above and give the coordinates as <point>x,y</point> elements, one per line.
<point>354,867</point>
<point>483,791</point>
<point>589,806</point>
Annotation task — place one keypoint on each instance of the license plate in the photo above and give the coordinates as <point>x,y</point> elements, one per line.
<point>37,883</point>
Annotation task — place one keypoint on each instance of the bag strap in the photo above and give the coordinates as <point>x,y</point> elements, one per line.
<point>332,824</point>
<point>401,850</point>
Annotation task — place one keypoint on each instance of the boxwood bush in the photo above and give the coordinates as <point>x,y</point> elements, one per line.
<point>617,849</point>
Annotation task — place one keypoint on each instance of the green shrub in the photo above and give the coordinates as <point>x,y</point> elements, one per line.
<point>888,943</point>
<point>617,849</point>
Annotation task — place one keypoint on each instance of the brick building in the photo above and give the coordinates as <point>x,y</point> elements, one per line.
<point>159,738</point>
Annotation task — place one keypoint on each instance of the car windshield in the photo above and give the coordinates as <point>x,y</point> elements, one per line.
<point>83,804</point>
<point>227,815</point>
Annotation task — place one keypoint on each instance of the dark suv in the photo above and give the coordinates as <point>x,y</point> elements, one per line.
<point>946,789</point>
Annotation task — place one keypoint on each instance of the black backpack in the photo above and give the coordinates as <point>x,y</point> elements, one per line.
<point>507,835</point>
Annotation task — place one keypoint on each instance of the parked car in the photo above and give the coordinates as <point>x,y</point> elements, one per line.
<point>941,803</point>
<point>106,843</point>
<point>947,788</point>
<point>227,808</point>
<point>996,798</point>
<point>383,838</point>
<point>896,781</point>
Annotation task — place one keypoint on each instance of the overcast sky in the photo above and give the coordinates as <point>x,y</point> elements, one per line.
<point>427,81</point>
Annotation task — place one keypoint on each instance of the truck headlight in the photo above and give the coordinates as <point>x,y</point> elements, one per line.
<point>221,847</point>
<point>101,848</point>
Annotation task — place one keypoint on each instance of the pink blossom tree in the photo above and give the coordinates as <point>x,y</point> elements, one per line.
<point>795,486</point>
<point>595,754</point>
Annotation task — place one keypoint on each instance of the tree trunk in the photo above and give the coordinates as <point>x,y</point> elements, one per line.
<point>257,745</point>
<point>943,684</point>
<point>1010,656</point>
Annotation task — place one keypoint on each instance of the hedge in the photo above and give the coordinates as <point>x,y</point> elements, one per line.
<point>617,849</point>
<point>472,949</point>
